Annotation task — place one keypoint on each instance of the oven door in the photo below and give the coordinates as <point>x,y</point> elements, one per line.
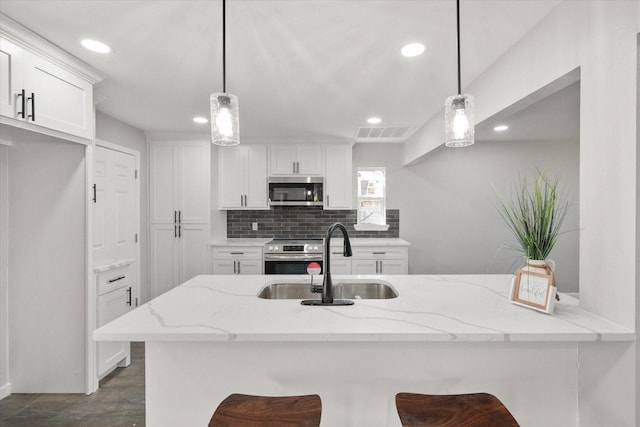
<point>289,266</point>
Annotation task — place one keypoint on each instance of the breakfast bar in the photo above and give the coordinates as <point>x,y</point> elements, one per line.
<point>213,336</point>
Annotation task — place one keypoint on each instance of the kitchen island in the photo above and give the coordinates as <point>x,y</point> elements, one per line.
<point>212,336</point>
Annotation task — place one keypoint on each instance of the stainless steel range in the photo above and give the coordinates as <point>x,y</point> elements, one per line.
<point>291,256</point>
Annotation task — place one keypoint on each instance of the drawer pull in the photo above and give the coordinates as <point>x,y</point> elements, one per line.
<point>116,279</point>
<point>379,253</point>
<point>236,253</point>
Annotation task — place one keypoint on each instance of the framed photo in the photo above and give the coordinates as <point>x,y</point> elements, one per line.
<point>533,290</point>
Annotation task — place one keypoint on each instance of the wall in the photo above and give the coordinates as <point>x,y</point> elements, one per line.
<point>47,274</point>
<point>448,205</point>
<point>600,37</point>
<point>638,222</point>
<point>5,385</point>
<point>117,132</point>
<point>286,222</point>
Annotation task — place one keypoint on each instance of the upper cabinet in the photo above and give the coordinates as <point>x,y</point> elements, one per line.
<point>338,180</point>
<point>179,180</point>
<point>40,93</point>
<point>243,177</point>
<point>297,159</point>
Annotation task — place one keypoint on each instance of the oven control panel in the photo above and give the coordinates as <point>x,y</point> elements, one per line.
<point>284,247</point>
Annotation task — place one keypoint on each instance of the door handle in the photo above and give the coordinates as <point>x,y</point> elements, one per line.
<point>94,194</point>
<point>33,107</point>
<point>23,102</point>
<point>129,296</point>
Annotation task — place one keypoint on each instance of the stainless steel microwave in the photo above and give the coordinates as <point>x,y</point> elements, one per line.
<point>296,191</point>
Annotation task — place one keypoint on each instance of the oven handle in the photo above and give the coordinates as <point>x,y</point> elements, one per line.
<point>292,258</point>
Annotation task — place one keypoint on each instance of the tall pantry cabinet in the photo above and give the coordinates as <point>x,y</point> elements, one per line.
<point>179,209</point>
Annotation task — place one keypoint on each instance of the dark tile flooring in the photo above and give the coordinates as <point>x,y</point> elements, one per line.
<point>119,402</point>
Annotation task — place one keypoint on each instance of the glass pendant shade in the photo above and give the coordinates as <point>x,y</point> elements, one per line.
<point>225,127</point>
<point>459,121</point>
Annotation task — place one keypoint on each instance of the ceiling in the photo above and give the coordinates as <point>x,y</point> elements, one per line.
<point>302,69</point>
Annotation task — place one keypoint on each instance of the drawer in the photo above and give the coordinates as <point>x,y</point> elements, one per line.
<point>249,252</point>
<point>114,279</point>
<point>379,253</point>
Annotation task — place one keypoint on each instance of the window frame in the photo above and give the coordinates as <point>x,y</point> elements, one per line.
<point>359,198</point>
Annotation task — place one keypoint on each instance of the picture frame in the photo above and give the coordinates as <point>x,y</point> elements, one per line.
<point>533,290</point>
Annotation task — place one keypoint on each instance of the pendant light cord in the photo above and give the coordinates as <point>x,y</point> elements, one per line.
<point>224,52</point>
<point>458,36</point>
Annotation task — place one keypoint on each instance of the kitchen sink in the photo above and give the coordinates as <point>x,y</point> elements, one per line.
<point>344,289</point>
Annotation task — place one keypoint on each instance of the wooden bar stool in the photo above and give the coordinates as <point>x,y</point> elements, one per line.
<point>260,411</point>
<point>453,410</point>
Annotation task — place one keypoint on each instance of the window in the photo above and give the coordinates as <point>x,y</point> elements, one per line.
<point>371,199</point>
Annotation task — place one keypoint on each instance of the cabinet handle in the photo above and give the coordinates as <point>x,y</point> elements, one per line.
<point>378,253</point>
<point>179,231</point>
<point>116,279</point>
<point>380,266</point>
<point>241,200</point>
<point>175,217</point>
<point>328,204</point>
<point>234,267</point>
<point>238,267</point>
<point>298,167</point>
<point>179,217</point>
<point>245,201</point>
<point>23,102</point>
<point>236,253</point>
<point>175,230</point>
<point>94,194</point>
<point>33,107</point>
<point>129,296</point>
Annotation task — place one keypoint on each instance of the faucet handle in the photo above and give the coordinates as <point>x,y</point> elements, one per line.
<point>316,289</point>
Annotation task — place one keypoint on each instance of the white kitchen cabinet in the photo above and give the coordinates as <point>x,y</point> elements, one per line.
<point>243,177</point>
<point>340,265</point>
<point>379,260</point>
<point>179,210</point>
<point>297,159</point>
<point>338,182</point>
<point>114,289</point>
<point>37,93</point>
<point>237,260</point>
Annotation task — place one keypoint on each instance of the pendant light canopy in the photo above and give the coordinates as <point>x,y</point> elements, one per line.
<point>458,109</point>
<point>225,128</point>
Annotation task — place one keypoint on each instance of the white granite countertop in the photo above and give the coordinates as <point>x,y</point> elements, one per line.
<point>355,241</point>
<point>239,242</point>
<point>428,308</point>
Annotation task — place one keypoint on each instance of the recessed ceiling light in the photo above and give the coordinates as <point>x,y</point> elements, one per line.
<point>200,120</point>
<point>412,49</point>
<point>501,128</point>
<point>96,46</point>
<point>374,120</point>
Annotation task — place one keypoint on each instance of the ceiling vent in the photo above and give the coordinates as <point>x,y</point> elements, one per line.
<point>384,133</point>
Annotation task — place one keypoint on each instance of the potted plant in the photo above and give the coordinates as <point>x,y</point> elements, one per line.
<point>534,213</point>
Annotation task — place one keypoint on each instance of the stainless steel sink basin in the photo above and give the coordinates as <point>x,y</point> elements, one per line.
<point>342,289</point>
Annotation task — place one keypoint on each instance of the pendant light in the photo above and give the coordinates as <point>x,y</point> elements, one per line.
<point>458,109</point>
<point>225,129</point>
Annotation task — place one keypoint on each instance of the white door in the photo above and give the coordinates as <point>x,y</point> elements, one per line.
<point>256,177</point>
<point>194,182</point>
<point>364,266</point>
<point>231,177</point>
<point>163,258</point>
<point>192,243</point>
<point>338,181</point>
<point>163,174</point>
<point>310,159</point>
<point>111,306</point>
<point>224,266</point>
<point>249,266</point>
<point>283,158</point>
<point>62,100</point>
<point>11,78</point>
<point>393,266</point>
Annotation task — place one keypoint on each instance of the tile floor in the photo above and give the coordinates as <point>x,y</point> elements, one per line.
<point>118,403</point>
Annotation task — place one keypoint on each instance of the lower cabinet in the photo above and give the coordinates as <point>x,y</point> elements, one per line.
<point>114,300</point>
<point>237,260</point>
<point>339,263</point>
<point>379,260</point>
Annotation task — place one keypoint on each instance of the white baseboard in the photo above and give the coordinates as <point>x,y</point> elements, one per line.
<point>576,295</point>
<point>5,390</point>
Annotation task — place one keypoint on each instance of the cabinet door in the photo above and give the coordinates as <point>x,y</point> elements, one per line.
<point>63,101</point>
<point>224,266</point>
<point>163,175</point>
<point>193,240</point>
<point>340,265</point>
<point>338,177</point>
<point>364,266</point>
<point>249,266</point>
<point>111,306</point>
<point>393,266</point>
<point>232,171</point>
<point>256,177</point>
<point>283,158</point>
<point>194,181</point>
<point>310,159</point>
<point>11,78</point>
<point>163,258</point>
